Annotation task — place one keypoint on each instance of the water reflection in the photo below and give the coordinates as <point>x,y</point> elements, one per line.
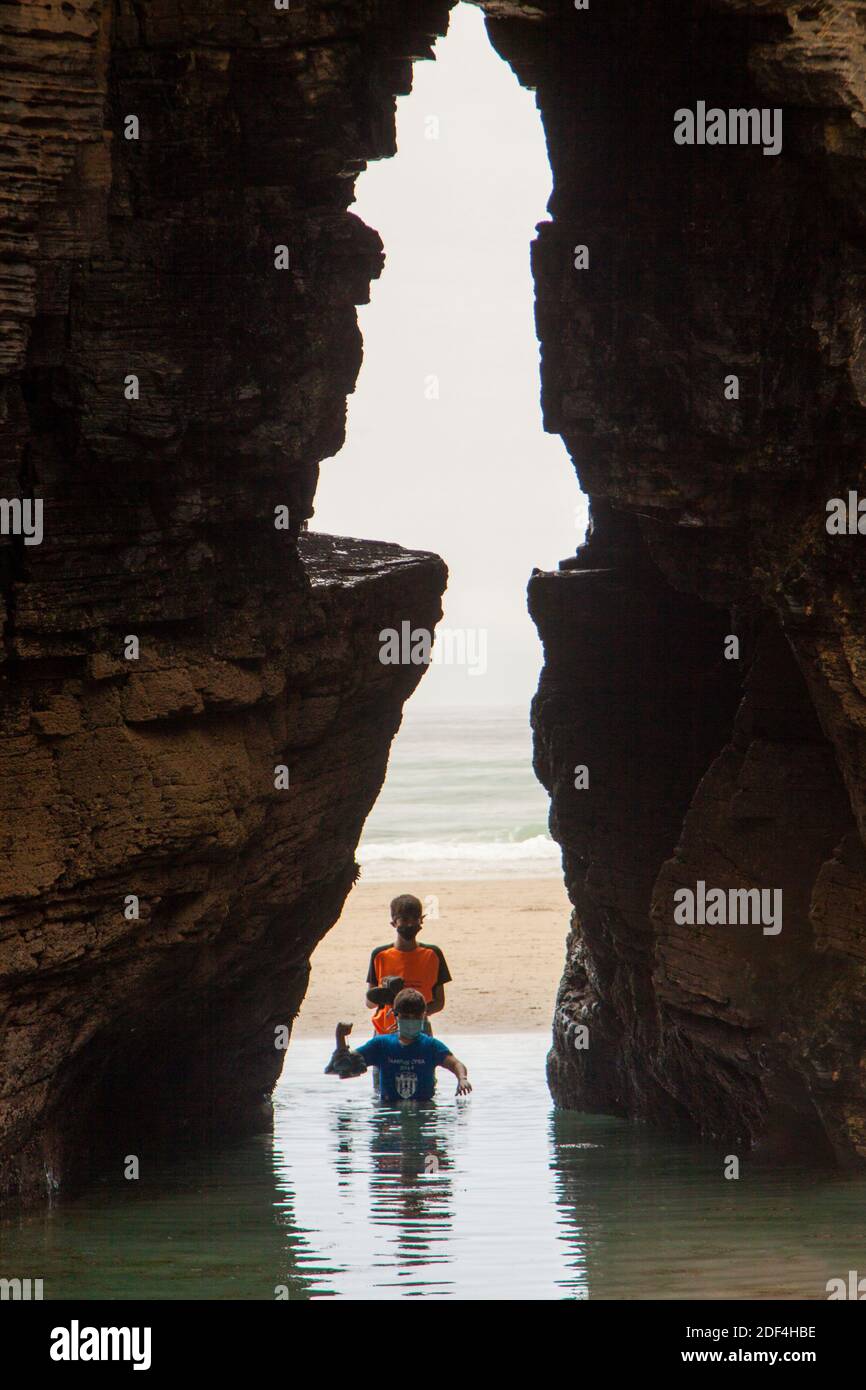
<point>645,1216</point>
<point>208,1227</point>
<point>404,1195</point>
<point>496,1196</point>
<point>382,1194</point>
<point>438,1199</point>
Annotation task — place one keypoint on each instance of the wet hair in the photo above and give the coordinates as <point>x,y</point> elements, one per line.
<point>410,1003</point>
<point>406,906</point>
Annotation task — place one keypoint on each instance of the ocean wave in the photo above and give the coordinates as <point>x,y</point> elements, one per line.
<point>537,847</point>
<point>537,856</point>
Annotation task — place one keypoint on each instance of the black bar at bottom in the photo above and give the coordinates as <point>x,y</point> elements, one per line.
<point>168,1339</point>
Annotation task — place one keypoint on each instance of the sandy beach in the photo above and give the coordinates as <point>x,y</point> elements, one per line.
<point>504,943</point>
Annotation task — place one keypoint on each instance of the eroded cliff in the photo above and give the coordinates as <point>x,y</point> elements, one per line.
<point>156,258</point>
<point>710,520</point>
<point>168,392</point>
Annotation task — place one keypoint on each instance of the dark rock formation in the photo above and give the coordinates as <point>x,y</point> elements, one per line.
<point>155,257</point>
<point>709,519</point>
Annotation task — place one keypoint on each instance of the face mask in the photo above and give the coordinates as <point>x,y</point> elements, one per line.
<point>408,930</point>
<point>409,1028</point>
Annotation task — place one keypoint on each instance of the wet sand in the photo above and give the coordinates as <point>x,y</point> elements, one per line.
<point>504,943</point>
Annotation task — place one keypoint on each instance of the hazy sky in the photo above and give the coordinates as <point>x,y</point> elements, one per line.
<point>471,475</point>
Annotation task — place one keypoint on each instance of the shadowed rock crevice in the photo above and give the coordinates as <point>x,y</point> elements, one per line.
<point>620,647</point>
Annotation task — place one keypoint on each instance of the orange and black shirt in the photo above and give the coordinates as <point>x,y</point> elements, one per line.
<point>422,968</point>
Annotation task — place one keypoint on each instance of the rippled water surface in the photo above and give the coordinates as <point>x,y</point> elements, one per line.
<point>345,1200</point>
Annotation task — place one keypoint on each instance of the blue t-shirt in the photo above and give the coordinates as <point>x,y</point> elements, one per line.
<point>406,1070</point>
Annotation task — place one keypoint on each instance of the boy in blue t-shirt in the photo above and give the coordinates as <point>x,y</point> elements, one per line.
<point>407,1060</point>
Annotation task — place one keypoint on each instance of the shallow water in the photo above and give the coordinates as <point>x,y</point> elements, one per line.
<point>527,1203</point>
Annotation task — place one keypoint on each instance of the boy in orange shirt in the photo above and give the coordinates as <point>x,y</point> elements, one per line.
<point>409,964</point>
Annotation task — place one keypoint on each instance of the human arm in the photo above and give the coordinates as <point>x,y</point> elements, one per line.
<point>382,989</point>
<point>453,1064</point>
<point>443,977</point>
<point>380,996</point>
<point>437,1003</point>
<point>344,1062</point>
<point>372,981</point>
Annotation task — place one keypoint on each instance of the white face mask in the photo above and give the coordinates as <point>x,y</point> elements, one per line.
<point>409,1028</point>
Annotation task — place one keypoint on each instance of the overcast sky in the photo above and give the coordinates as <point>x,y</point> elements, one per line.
<point>471,475</point>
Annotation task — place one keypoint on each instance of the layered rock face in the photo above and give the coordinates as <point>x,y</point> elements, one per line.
<point>168,391</point>
<point>177,339</point>
<point>710,511</point>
